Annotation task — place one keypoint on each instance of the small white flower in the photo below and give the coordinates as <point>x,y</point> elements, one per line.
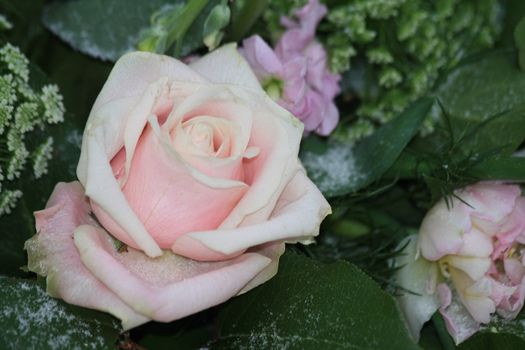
<point>41,157</point>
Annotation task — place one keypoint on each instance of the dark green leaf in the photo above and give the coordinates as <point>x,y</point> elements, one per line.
<point>311,305</point>
<point>339,169</point>
<point>429,339</point>
<point>30,319</point>
<point>244,15</point>
<point>519,39</point>
<point>189,333</point>
<point>514,10</point>
<point>501,168</point>
<point>105,29</point>
<point>482,89</point>
<point>489,341</point>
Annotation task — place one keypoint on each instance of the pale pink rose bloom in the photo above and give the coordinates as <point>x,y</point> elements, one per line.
<point>475,244</point>
<point>300,63</point>
<point>196,170</point>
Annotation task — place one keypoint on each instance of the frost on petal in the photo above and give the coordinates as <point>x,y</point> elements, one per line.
<point>459,322</point>
<point>52,253</point>
<point>417,276</point>
<point>169,287</point>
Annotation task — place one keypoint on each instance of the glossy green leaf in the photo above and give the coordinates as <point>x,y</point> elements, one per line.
<point>501,168</point>
<point>339,169</point>
<point>519,40</point>
<point>107,29</point>
<point>488,87</point>
<point>31,319</point>
<point>312,305</point>
<point>492,341</point>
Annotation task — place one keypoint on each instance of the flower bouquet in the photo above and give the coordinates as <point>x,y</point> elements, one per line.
<point>268,174</point>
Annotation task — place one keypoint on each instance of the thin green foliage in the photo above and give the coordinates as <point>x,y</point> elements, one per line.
<point>449,164</point>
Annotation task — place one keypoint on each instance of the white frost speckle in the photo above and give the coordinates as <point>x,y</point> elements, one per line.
<point>332,170</point>
<point>31,319</point>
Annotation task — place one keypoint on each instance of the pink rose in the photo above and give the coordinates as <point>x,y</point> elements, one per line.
<point>195,169</point>
<point>473,253</point>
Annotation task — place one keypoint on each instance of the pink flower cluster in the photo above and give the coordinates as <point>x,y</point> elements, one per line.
<point>479,246</point>
<point>296,73</point>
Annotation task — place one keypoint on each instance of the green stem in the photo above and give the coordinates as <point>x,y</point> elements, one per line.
<point>245,18</point>
<point>446,339</point>
<point>184,20</point>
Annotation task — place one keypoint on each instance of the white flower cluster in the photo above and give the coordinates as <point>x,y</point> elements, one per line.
<point>24,115</point>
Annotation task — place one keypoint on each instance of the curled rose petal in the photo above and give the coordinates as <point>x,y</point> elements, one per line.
<point>52,253</point>
<point>164,293</point>
<point>299,199</point>
<point>418,302</point>
<point>90,271</point>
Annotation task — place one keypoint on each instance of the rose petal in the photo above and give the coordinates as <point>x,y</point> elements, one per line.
<point>514,270</point>
<point>272,251</point>
<point>441,232</point>
<point>277,135</point>
<point>296,217</point>
<point>197,288</point>
<point>52,253</point>
<point>511,305</point>
<point>476,244</point>
<point>491,201</point>
<point>226,66</point>
<point>474,267</point>
<point>137,70</point>
<point>475,295</point>
<point>417,304</point>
